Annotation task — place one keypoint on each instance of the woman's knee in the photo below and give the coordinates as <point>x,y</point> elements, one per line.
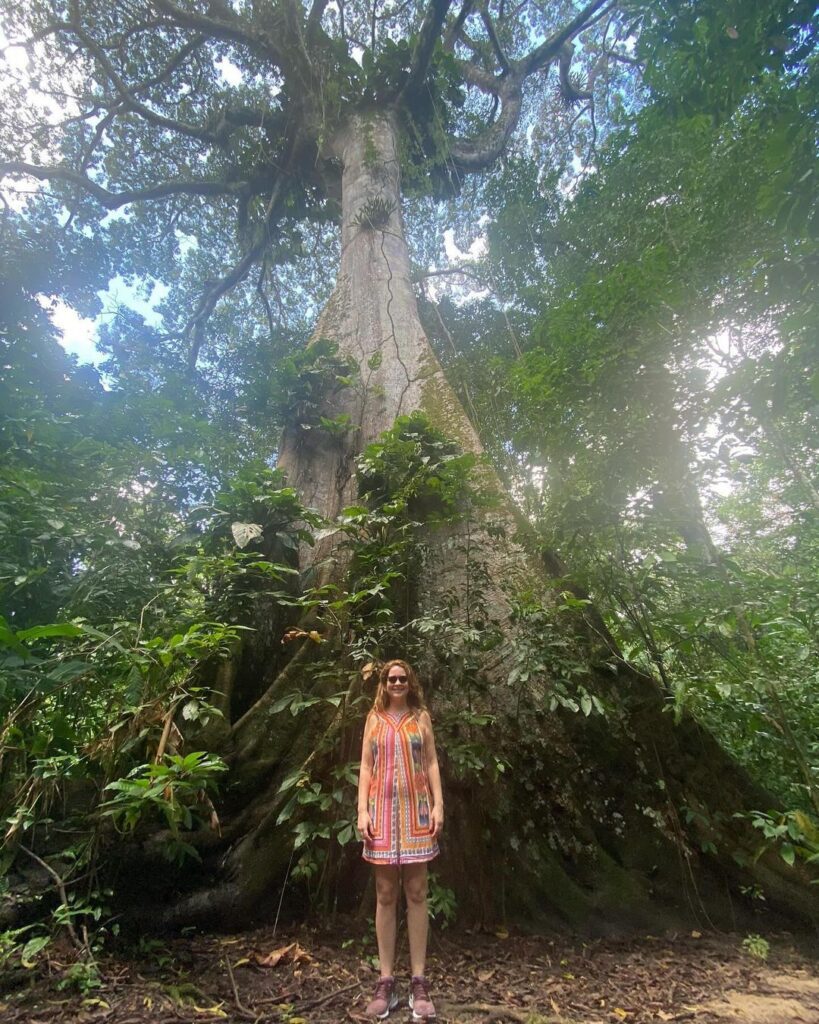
<point>415,888</point>
<point>386,891</point>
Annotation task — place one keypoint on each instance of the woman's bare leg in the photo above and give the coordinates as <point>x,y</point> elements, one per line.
<point>386,912</point>
<point>415,890</point>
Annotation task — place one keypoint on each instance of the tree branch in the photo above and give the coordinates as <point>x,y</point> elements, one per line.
<point>314,17</point>
<point>568,88</point>
<point>231,28</point>
<point>115,200</point>
<point>551,47</point>
<point>478,153</point>
<point>493,38</point>
<point>454,29</point>
<point>428,36</point>
<point>483,80</point>
<point>196,325</point>
<point>129,101</point>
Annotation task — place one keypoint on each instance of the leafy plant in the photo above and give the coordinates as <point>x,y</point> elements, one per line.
<point>175,789</point>
<point>756,946</point>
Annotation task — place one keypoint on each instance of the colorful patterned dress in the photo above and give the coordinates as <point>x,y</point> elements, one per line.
<point>399,799</point>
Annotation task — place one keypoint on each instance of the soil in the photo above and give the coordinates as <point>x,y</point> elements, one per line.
<point>310,976</point>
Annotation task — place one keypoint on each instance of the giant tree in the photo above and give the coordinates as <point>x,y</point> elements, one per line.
<point>210,134</point>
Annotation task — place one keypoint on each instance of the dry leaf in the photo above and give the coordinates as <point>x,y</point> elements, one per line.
<point>211,1011</point>
<point>274,957</point>
<point>502,933</point>
<point>618,1011</point>
<point>486,975</point>
<point>696,935</point>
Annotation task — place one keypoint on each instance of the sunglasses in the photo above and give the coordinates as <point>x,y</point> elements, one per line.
<point>396,679</point>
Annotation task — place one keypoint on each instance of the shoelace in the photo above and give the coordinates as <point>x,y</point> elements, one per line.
<point>383,988</point>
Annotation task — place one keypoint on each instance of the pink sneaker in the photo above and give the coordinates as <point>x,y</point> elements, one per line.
<point>384,999</point>
<point>421,1005</point>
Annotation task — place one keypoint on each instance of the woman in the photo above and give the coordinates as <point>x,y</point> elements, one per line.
<point>400,816</point>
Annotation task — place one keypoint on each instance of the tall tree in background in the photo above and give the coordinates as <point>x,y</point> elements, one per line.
<point>194,168</point>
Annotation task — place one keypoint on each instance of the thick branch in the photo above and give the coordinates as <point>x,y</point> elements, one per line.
<point>568,88</point>
<point>493,38</point>
<point>481,79</point>
<point>315,16</point>
<point>478,153</point>
<point>428,36</point>
<point>550,48</point>
<point>115,200</point>
<point>454,29</point>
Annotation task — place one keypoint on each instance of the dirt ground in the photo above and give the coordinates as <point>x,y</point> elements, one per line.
<point>307,976</point>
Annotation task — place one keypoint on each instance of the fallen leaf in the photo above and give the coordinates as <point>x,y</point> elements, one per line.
<point>502,933</point>
<point>274,957</point>
<point>696,935</point>
<point>294,951</point>
<point>212,1011</point>
<point>618,1011</point>
<point>301,956</point>
<point>485,975</point>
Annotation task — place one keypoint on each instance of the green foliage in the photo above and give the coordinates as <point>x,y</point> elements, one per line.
<point>414,470</point>
<point>756,946</point>
<point>304,382</point>
<point>173,789</point>
<point>794,834</point>
<point>547,656</point>
<point>661,415</point>
<point>441,901</point>
<point>82,977</point>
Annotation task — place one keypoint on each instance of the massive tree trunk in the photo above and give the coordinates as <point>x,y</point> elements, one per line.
<point>579,818</point>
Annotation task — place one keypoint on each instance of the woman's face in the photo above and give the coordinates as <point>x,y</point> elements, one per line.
<point>397,683</point>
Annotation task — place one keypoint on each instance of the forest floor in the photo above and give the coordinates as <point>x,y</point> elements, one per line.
<point>308,976</point>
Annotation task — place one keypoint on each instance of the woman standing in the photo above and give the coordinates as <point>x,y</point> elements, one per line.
<point>400,816</point>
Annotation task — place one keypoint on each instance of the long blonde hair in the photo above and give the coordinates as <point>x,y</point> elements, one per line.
<point>415,692</point>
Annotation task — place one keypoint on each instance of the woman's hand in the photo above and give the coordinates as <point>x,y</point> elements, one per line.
<point>365,825</point>
<point>437,820</point>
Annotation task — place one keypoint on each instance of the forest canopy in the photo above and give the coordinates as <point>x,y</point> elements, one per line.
<point>210,526</point>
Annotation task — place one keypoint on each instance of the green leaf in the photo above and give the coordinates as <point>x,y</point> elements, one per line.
<point>55,629</point>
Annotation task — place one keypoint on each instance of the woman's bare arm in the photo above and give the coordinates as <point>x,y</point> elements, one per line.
<point>365,775</point>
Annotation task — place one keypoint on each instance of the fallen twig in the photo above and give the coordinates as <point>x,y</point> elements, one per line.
<point>249,1014</point>
<point>313,1003</point>
<point>63,897</point>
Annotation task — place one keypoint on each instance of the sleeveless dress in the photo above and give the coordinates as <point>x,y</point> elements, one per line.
<point>399,801</point>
